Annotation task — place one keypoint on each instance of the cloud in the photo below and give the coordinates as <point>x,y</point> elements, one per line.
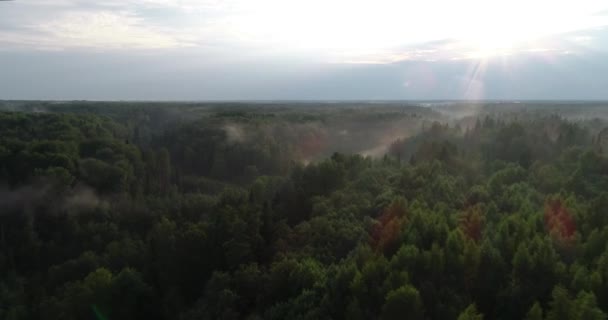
<point>338,29</point>
<point>172,75</point>
<point>66,24</point>
<point>104,29</point>
<point>273,49</point>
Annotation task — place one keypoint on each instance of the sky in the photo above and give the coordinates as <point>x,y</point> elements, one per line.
<point>303,50</point>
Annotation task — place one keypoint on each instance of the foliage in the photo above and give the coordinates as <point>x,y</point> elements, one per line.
<point>267,212</point>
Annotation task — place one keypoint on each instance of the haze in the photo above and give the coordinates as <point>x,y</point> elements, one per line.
<point>309,50</point>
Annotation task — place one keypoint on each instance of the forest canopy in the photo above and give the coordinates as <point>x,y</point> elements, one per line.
<point>303,211</point>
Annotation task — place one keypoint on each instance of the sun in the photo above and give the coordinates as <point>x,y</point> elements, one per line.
<point>493,44</point>
<point>499,30</point>
<point>362,27</point>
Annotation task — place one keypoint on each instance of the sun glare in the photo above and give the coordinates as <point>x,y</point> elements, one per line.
<point>478,27</point>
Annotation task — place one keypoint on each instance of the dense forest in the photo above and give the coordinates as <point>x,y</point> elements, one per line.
<point>303,211</point>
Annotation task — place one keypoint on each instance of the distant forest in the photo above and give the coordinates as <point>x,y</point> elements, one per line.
<point>465,210</point>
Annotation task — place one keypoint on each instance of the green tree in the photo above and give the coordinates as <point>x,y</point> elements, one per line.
<point>470,313</point>
<point>403,302</point>
<point>535,312</point>
<point>561,306</point>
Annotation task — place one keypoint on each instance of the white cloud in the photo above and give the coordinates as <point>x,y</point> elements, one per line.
<point>104,30</point>
<point>380,31</point>
<point>68,24</point>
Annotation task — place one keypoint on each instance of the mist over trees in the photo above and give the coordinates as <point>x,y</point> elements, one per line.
<point>303,211</point>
